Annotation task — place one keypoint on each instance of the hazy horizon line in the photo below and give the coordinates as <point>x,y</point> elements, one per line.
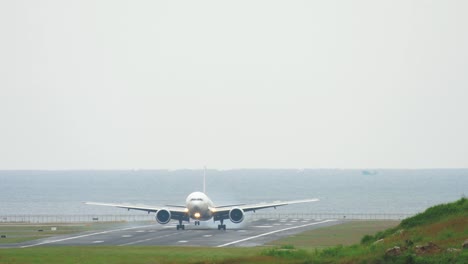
<point>234,169</point>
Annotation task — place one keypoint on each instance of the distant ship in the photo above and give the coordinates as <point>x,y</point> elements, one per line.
<point>369,172</point>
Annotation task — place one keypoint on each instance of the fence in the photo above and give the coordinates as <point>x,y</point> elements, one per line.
<point>74,218</point>
<point>349,216</point>
<point>150,217</point>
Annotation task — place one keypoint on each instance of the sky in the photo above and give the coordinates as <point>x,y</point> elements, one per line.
<point>233,84</point>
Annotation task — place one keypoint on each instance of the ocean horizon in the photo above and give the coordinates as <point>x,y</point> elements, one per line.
<point>369,191</point>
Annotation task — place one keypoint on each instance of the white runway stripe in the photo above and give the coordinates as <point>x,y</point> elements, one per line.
<point>272,232</point>
<point>146,240</point>
<point>75,237</point>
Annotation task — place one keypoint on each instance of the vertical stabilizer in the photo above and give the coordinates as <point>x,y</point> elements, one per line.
<point>204,179</point>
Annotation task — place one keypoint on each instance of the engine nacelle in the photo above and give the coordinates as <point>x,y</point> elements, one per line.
<point>163,216</point>
<point>236,215</point>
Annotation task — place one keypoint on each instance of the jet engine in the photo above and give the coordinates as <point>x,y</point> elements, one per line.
<point>163,216</point>
<point>236,215</point>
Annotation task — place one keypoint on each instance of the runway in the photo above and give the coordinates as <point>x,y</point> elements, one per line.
<point>249,234</point>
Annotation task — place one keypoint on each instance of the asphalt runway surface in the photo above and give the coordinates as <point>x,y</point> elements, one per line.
<point>248,234</point>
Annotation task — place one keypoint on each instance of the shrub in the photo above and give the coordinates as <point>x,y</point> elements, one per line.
<point>367,239</point>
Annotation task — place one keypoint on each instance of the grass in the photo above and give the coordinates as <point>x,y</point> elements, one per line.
<point>437,213</point>
<point>344,234</point>
<point>135,255</point>
<point>445,225</point>
<point>163,255</point>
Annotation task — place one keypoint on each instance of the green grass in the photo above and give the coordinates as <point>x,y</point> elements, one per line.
<point>445,225</point>
<point>137,255</point>
<point>437,213</point>
<point>147,255</point>
<point>344,234</point>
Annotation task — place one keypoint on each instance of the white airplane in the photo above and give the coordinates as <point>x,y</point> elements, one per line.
<point>199,207</point>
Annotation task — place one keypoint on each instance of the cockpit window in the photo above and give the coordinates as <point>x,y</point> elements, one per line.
<point>196,199</point>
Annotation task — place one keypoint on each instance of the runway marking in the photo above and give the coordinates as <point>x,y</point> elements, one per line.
<point>207,235</point>
<point>87,235</point>
<point>266,226</point>
<point>140,231</point>
<point>276,231</point>
<point>98,241</point>
<point>182,241</point>
<point>127,236</point>
<point>146,240</point>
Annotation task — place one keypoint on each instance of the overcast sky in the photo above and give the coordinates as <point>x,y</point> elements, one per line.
<point>238,84</point>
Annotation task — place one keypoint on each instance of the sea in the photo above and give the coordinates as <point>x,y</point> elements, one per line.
<point>339,190</point>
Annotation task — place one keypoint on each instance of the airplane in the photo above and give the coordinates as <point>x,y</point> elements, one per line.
<point>199,207</point>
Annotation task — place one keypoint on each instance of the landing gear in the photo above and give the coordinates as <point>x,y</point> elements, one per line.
<point>197,223</point>
<point>221,226</point>
<point>180,225</point>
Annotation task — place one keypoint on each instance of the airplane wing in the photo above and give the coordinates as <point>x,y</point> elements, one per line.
<point>177,212</point>
<point>259,206</point>
<point>223,211</point>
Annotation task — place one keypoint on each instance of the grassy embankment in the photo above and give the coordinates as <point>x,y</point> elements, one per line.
<point>444,225</point>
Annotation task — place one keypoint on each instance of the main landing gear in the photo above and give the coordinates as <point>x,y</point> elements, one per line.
<point>197,223</point>
<point>180,225</point>
<point>221,226</point>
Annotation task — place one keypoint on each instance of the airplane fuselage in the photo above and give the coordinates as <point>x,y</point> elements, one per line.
<point>199,206</point>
